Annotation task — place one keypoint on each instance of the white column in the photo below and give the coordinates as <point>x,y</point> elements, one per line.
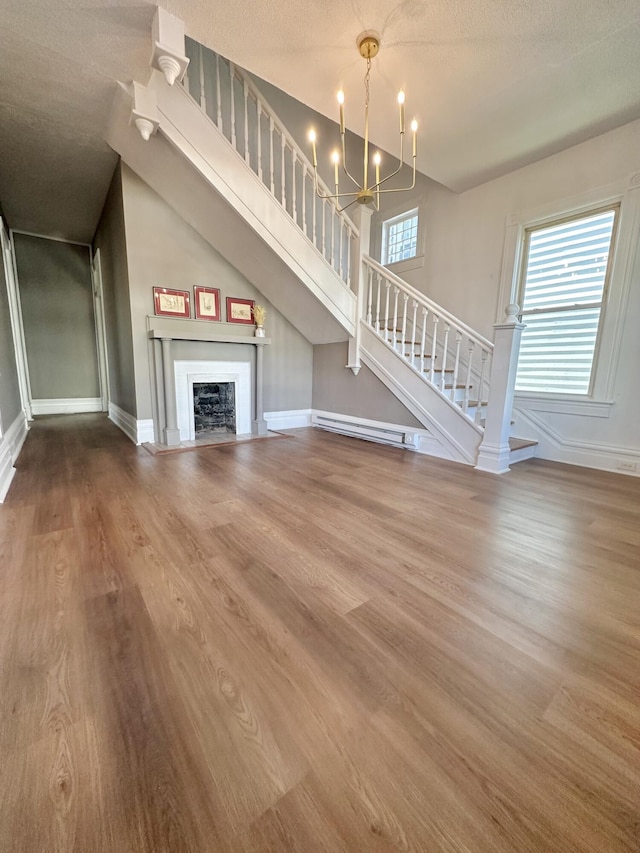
<point>362,221</point>
<point>494,451</point>
<point>259,425</point>
<point>171,431</point>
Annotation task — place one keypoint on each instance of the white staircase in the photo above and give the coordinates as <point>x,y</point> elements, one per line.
<point>228,166</point>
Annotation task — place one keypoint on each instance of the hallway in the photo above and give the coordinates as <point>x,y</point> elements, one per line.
<point>314,644</point>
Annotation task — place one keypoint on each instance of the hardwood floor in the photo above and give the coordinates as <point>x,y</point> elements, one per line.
<point>314,644</point>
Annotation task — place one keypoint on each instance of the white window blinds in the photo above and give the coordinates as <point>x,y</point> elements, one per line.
<point>565,273</point>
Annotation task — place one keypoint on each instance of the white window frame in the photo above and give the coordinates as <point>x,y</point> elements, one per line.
<point>394,220</point>
<point>627,194</point>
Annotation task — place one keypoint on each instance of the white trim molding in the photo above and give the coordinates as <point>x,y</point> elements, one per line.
<point>588,454</point>
<point>10,446</point>
<point>564,405</point>
<point>288,419</point>
<point>139,432</point>
<point>66,405</point>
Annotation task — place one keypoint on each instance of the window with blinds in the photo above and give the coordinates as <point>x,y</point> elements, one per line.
<point>565,273</point>
<point>400,238</point>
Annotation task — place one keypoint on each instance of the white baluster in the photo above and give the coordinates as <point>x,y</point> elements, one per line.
<point>259,114</point>
<point>379,283</point>
<point>413,337</point>
<point>483,360</point>
<point>282,172</point>
<point>271,169</point>
<point>423,344</point>
<point>456,362</point>
<point>218,95</point>
<point>245,92</point>
<point>314,204</point>
<point>324,228</point>
<point>341,247</point>
<point>369,294</point>
<point>348,263</point>
<point>396,290</point>
<point>333,247</point>
<point>405,300</point>
<point>467,384</point>
<point>304,197</point>
<point>294,209</point>
<point>434,344</point>
<point>386,310</point>
<point>233,105</point>
<point>445,351</point>
<point>203,97</point>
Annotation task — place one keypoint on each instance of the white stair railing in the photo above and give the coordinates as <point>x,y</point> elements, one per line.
<point>243,116</point>
<point>444,351</point>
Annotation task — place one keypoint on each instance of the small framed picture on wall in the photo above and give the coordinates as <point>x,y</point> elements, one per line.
<point>171,303</point>
<point>240,310</point>
<point>207,303</point>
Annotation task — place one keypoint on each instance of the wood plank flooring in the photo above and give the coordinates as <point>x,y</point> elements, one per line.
<point>316,644</point>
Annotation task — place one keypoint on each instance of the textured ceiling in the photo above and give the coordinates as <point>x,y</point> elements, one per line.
<point>494,85</point>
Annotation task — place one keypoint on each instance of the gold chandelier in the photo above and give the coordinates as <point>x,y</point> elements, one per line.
<point>366,193</point>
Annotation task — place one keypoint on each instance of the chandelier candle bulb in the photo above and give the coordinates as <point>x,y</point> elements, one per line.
<point>401,102</point>
<point>312,140</point>
<point>335,159</point>
<point>341,103</point>
<point>414,130</point>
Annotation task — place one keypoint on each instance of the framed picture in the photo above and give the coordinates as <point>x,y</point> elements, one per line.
<point>240,310</point>
<point>171,303</point>
<point>207,301</point>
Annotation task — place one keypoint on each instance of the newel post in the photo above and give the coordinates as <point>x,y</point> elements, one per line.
<point>362,221</point>
<point>494,451</point>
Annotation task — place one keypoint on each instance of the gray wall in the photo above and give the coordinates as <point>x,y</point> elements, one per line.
<point>336,389</point>
<point>57,312</point>
<point>163,250</point>
<point>110,239</point>
<point>10,403</point>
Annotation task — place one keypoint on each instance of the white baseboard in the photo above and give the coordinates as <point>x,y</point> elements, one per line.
<point>7,471</point>
<point>288,419</point>
<point>137,431</point>
<point>145,431</point>
<point>66,405</point>
<point>558,448</point>
<point>10,446</point>
<point>16,434</point>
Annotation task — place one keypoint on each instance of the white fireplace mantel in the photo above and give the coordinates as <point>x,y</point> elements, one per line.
<point>168,329</point>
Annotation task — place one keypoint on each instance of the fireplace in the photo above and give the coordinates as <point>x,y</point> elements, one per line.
<point>214,408</point>
<point>216,385</point>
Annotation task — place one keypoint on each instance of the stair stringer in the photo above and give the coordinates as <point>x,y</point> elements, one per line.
<point>458,437</point>
<point>195,170</point>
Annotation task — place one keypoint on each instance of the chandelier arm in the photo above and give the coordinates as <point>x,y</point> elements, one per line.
<point>403,189</point>
<point>400,164</point>
<point>342,209</point>
<point>344,162</point>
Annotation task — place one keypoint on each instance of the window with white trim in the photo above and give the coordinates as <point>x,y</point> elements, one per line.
<point>565,272</point>
<point>400,237</point>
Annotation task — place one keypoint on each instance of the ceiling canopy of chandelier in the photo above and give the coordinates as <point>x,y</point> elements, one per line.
<point>367,192</point>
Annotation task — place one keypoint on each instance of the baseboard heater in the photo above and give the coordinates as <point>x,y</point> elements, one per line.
<point>361,430</point>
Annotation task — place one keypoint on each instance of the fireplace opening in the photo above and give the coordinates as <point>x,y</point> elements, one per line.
<point>214,408</point>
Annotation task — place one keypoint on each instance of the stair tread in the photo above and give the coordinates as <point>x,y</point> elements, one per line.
<point>519,443</point>
<point>439,370</point>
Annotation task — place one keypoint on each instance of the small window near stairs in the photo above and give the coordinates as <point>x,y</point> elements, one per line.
<point>565,272</point>
<point>400,237</point>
